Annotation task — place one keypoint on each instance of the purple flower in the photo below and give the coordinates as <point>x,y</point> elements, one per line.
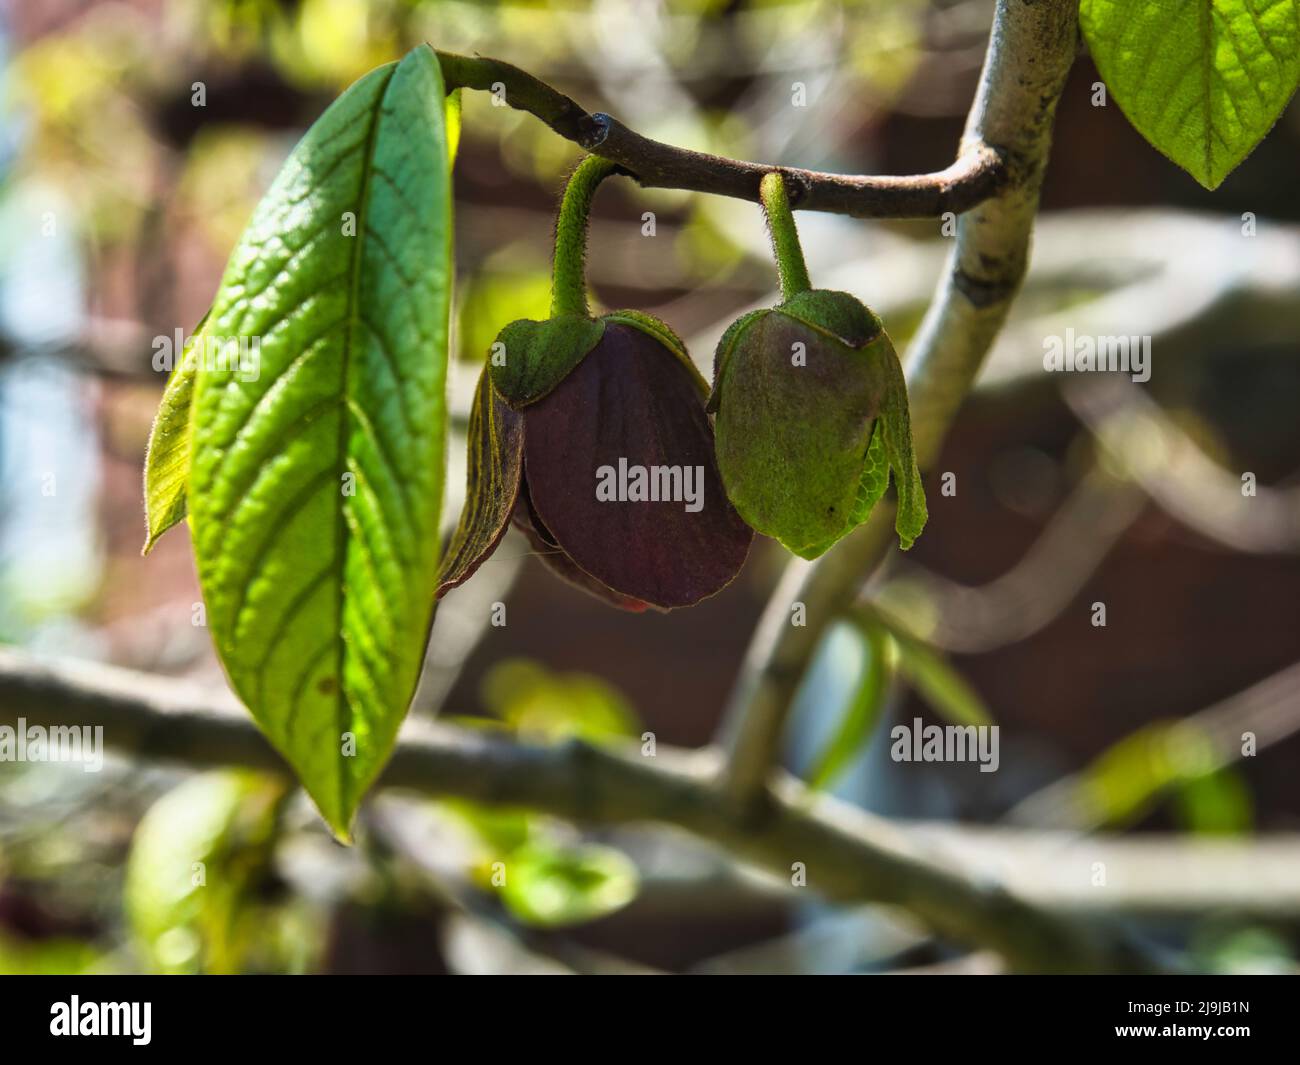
<point>611,474</point>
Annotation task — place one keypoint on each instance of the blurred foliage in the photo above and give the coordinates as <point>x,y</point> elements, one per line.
<point>1165,759</point>
<point>84,95</point>
<point>48,957</point>
<point>197,875</point>
<point>514,283</point>
<point>1217,947</point>
<point>542,705</point>
<point>223,178</point>
<point>551,886</point>
<point>1217,803</point>
<point>929,672</point>
<point>313,43</point>
<point>703,247</point>
<point>543,876</point>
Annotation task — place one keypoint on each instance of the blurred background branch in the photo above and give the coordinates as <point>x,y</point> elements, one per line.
<point>846,854</point>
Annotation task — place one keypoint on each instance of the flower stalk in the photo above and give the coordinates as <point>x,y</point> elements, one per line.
<point>569,273</point>
<point>790,266</point>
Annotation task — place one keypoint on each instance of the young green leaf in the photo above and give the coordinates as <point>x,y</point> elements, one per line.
<point>167,458</point>
<point>1202,80</point>
<point>317,470</point>
<point>936,682</point>
<point>452,119</point>
<point>862,713</point>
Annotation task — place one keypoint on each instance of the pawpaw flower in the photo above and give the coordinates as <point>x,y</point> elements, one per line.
<point>811,411</point>
<point>591,436</point>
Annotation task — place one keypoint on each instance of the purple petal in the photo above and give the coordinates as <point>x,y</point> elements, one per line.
<point>527,522</point>
<point>631,406</point>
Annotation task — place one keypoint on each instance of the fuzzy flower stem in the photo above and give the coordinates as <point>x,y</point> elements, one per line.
<point>569,279</point>
<point>785,237</point>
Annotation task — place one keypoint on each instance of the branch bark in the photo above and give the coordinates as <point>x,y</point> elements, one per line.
<point>976,175</point>
<point>1031,50</point>
<point>848,854</point>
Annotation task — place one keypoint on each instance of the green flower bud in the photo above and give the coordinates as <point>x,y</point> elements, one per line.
<point>811,410</point>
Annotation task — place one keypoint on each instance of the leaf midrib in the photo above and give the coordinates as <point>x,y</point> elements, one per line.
<point>352,317</point>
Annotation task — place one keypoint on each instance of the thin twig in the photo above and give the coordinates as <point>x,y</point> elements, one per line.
<point>1184,481</point>
<point>977,174</point>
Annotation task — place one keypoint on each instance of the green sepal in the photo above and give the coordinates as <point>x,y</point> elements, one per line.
<point>662,332</point>
<point>897,435</point>
<point>494,468</point>
<point>837,313</point>
<point>891,448</point>
<point>726,345</point>
<point>530,358</point>
<point>875,479</point>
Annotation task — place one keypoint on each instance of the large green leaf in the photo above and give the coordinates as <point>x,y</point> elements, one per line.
<point>316,483</point>
<point>1202,80</point>
<point>167,458</point>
